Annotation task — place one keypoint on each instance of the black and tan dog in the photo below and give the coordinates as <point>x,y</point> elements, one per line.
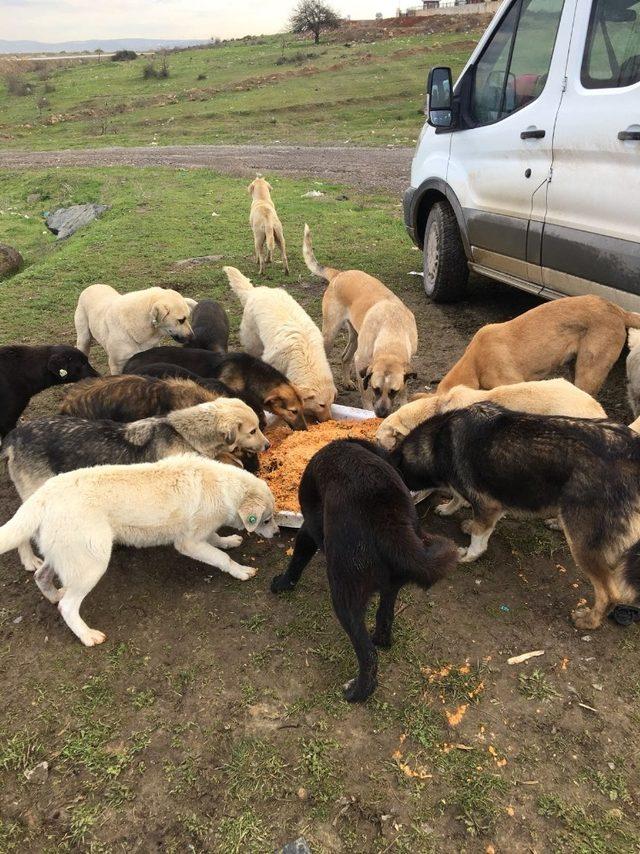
<point>26,371</point>
<point>127,397</point>
<point>240,371</point>
<point>359,512</point>
<point>587,472</point>
<point>210,326</point>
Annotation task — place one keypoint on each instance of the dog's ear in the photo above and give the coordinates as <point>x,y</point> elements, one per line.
<point>365,376</point>
<point>231,437</point>
<point>275,400</point>
<point>410,375</point>
<point>251,186</point>
<point>269,187</point>
<point>57,365</point>
<point>192,303</point>
<point>250,511</point>
<point>158,313</point>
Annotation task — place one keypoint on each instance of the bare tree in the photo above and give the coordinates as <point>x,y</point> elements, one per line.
<point>313,16</point>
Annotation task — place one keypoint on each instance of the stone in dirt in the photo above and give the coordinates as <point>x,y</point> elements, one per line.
<point>199,260</point>
<point>298,847</point>
<point>64,222</point>
<point>38,774</point>
<point>10,260</point>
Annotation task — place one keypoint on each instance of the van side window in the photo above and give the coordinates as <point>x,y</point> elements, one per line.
<point>513,68</point>
<point>612,51</point>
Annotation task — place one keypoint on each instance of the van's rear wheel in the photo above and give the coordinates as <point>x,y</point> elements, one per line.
<point>445,264</point>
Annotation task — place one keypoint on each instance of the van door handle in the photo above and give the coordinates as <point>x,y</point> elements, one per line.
<point>629,134</point>
<point>534,133</point>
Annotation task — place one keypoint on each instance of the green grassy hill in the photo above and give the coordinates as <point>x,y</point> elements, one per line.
<point>267,92</point>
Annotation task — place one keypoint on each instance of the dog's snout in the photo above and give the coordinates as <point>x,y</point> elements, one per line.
<point>266,445</point>
<point>382,409</point>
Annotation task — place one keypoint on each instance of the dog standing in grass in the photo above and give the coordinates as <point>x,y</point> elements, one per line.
<point>266,225</point>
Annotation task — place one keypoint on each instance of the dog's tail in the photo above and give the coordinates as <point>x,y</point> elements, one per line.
<point>241,286</point>
<point>425,558</point>
<point>326,273</point>
<point>270,240</point>
<point>24,523</point>
<point>631,320</point>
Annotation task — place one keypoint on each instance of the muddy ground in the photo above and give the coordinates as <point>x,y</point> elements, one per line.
<point>212,718</point>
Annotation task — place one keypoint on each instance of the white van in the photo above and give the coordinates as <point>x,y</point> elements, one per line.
<point>528,170</point>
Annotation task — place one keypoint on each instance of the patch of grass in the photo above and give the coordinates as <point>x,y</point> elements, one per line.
<point>242,834</point>
<point>473,790</point>
<point>422,724</point>
<point>83,819</point>
<point>143,699</point>
<point>587,830</point>
<point>456,683</point>
<point>254,623</point>
<point>320,769</point>
<point>536,686</point>
<point>528,539</point>
<point>20,752</point>
<point>611,783</point>
<point>254,770</point>
<point>371,96</point>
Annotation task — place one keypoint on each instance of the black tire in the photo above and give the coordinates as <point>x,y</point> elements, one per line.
<point>445,264</point>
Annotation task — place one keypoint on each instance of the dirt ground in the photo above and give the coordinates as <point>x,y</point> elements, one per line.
<point>364,169</point>
<point>212,718</point>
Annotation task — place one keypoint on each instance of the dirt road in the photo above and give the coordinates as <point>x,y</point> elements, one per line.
<point>364,168</point>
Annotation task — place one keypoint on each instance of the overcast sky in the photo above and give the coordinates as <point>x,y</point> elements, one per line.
<point>65,20</point>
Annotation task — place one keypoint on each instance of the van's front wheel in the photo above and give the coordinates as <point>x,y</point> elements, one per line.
<point>445,264</point>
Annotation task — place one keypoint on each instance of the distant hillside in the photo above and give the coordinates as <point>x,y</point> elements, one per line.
<point>108,45</point>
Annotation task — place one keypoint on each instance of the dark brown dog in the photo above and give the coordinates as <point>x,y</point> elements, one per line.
<point>240,371</point>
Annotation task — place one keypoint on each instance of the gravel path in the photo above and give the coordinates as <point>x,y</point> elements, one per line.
<point>364,168</point>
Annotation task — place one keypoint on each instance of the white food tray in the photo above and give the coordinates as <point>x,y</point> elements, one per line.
<point>292,519</point>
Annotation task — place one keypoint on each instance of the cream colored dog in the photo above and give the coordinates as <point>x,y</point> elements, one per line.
<point>265,224</point>
<point>126,324</point>
<point>275,328</point>
<point>180,501</point>
<point>383,337</point>
<point>545,397</point>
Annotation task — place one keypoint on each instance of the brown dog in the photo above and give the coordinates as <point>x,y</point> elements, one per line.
<point>383,336</point>
<point>543,340</point>
<point>130,398</point>
<point>265,224</point>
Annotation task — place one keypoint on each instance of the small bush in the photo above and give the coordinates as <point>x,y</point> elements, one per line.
<point>149,72</point>
<point>124,56</point>
<point>296,58</point>
<point>17,85</point>
<point>202,76</point>
<point>49,88</point>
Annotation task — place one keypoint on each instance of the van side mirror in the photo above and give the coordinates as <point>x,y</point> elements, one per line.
<point>440,91</point>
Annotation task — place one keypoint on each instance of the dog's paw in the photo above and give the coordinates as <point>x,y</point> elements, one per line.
<point>585,618</point>
<point>465,526</point>
<point>466,556</point>
<point>444,509</point>
<point>381,639</point>
<point>243,573</point>
<point>231,542</point>
<point>553,524</point>
<point>349,385</point>
<point>354,692</point>
<point>57,596</point>
<point>93,637</point>
<point>33,563</point>
<point>280,583</point>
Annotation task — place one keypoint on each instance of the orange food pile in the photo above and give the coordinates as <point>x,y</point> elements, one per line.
<point>282,466</point>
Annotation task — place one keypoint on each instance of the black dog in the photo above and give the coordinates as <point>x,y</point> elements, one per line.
<point>210,326</point>
<point>587,472</point>
<point>359,512</point>
<point>240,371</point>
<point>25,371</point>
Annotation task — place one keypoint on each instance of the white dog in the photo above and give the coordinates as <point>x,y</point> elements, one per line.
<point>541,397</point>
<point>126,324</point>
<point>181,501</point>
<point>275,328</point>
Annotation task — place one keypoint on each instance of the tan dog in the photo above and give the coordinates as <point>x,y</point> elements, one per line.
<point>265,224</point>
<point>383,337</point>
<point>545,397</point>
<point>126,324</point>
<point>279,331</point>
<point>542,340</point>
